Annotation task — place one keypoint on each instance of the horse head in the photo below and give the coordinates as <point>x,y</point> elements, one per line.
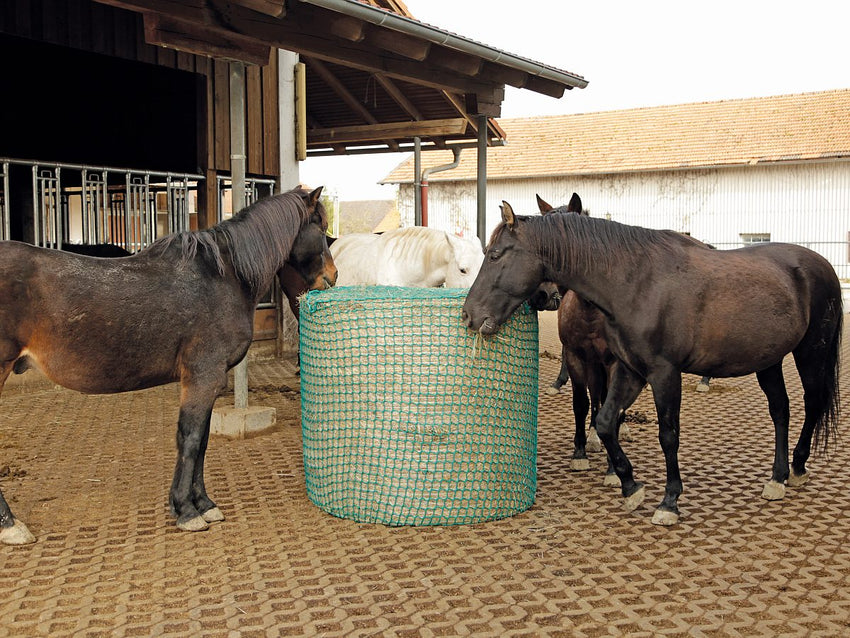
<point>310,256</point>
<point>511,273</point>
<point>465,261</point>
<point>548,295</point>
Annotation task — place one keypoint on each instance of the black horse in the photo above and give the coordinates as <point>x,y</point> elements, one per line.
<point>96,250</point>
<point>180,310</point>
<point>673,305</point>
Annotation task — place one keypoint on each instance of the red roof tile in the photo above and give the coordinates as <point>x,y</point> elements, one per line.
<point>807,126</point>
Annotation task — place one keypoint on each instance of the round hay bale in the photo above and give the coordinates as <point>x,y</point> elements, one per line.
<point>408,418</point>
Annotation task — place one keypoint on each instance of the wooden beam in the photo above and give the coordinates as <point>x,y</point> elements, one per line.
<point>400,98</point>
<point>378,132</point>
<point>404,45</point>
<point>273,8</point>
<point>347,28</point>
<point>319,68</point>
<point>462,63</point>
<point>184,35</point>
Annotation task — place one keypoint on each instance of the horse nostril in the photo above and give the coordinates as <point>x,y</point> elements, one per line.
<point>465,318</point>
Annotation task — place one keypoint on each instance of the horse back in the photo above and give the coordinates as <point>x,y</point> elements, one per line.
<point>742,310</point>
<point>101,326</point>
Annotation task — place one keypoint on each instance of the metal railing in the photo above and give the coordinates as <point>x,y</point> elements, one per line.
<point>75,203</point>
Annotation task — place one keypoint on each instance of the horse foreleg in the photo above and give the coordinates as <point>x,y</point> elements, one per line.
<point>203,503</point>
<point>12,531</point>
<point>563,375</point>
<point>188,498</point>
<point>667,393</point>
<point>624,389</point>
<point>772,384</point>
<point>580,409</point>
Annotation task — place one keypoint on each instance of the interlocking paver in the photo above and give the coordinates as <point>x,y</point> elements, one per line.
<point>90,477</point>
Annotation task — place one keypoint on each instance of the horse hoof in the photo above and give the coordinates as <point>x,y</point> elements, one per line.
<point>625,433</point>
<point>665,518</point>
<point>631,503</point>
<point>18,534</point>
<point>611,480</point>
<point>773,491</point>
<point>213,516</point>
<point>702,387</point>
<point>579,465</point>
<point>197,524</point>
<point>796,480</point>
<point>593,442</point>
<point>553,390</point>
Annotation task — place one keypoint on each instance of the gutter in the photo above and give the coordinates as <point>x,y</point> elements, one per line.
<point>417,29</point>
<point>423,183</point>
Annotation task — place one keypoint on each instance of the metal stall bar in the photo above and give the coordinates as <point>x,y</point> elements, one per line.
<point>46,193</point>
<point>5,216</point>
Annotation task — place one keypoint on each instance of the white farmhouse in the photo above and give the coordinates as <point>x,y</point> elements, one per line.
<point>728,173</point>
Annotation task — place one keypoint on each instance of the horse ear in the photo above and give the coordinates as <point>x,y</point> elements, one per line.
<point>508,215</point>
<point>543,206</point>
<point>315,196</point>
<point>575,204</point>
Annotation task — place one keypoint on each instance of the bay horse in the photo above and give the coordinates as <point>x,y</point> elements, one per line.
<point>585,357</point>
<point>180,310</point>
<point>413,256</point>
<point>673,305</point>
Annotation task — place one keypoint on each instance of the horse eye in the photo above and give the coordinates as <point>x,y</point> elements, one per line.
<point>463,271</point>
<point>493,255</point>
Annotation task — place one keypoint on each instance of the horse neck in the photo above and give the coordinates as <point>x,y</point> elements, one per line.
<point>584,272</point>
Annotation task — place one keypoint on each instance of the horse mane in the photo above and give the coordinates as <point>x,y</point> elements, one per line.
<point>257,240</point>
<point>570,242</point>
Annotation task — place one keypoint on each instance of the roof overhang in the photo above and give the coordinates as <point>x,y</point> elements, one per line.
<point>425,82</point>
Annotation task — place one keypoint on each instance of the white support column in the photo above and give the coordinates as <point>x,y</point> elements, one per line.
<point>289,172</point>
<point>237,181</point>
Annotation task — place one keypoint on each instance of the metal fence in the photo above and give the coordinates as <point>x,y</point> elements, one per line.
<point>73,203</point>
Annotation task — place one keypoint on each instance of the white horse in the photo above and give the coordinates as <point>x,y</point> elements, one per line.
<point>415,256</point>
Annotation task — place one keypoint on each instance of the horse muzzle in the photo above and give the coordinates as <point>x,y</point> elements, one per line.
<point>487,327</point>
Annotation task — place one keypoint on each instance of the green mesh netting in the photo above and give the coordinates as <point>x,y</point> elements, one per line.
<point>408,418</point>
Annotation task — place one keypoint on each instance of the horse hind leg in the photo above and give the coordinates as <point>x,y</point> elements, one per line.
<point>818,375</point>
<point>12,531</point>
<point>772,384</point>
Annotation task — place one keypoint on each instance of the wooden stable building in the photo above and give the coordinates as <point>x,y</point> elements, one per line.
<point>119,115</point>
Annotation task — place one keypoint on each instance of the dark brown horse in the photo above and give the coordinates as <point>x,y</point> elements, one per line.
<point>180,310</point>
<point>586,360</point>
<point>672,305</point>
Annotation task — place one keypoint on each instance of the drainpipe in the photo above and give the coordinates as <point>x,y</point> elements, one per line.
<point>423,182</point>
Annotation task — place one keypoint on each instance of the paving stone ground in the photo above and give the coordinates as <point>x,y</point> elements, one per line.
<point>90,476</point>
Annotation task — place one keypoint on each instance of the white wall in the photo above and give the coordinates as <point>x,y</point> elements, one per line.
<point>806,203</point>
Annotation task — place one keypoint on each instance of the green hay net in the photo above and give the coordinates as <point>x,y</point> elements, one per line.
<point>408,418</point>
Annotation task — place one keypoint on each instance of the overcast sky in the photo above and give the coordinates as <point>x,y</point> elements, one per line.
<point>633,54</point>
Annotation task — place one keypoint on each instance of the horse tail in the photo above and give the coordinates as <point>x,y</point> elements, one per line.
<point>826,426</point>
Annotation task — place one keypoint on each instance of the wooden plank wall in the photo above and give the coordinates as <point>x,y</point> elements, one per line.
<point>102,29</point>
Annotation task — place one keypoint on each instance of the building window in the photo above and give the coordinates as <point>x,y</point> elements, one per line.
<point>754,238</point>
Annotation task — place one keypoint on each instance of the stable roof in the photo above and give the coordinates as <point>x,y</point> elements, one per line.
<point>376,77</point>
<point>784,128</point>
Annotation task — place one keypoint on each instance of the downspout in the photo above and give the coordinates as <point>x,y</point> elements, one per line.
<point>423,182</point>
